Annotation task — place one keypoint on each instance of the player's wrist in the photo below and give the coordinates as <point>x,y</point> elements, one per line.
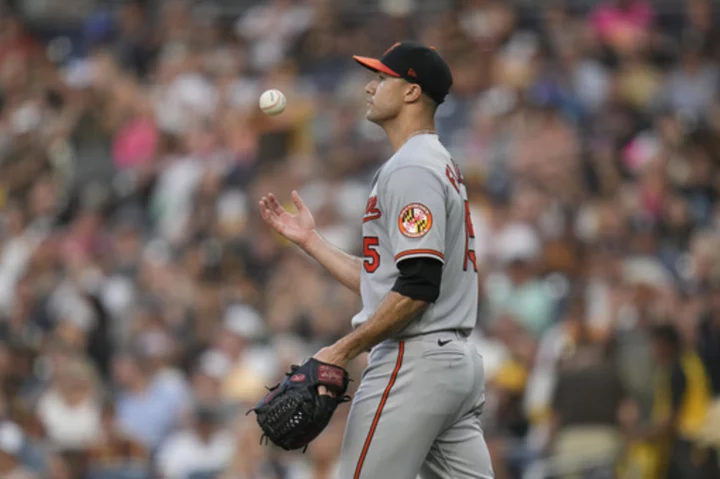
<point>310,244</point>
<point>333,355</point>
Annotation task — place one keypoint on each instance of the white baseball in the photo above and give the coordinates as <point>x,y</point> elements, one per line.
<point>272,102</point>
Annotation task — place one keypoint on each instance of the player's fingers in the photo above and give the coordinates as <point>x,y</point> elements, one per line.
<point>266,212</point>
<point>323,391</point>
<point>264,208</point>
<point>299,203</point>
<point>275,205</point>
<point>270,218</point>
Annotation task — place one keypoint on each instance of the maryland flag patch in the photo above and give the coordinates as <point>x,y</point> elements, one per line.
<point>415,220</point>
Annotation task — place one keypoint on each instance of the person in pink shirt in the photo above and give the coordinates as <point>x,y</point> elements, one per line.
<point>136,143</point>
<point>623,24</point>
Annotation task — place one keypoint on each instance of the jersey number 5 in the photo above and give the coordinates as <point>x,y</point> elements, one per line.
<point>372,257</point>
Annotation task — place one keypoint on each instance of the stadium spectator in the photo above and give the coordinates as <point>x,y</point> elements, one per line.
<point>206,447</point>
<point>11,441</point>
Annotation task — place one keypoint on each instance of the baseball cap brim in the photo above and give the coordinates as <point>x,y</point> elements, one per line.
<point>375,65</point>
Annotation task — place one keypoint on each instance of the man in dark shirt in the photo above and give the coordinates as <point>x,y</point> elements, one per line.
<point>586,405</point>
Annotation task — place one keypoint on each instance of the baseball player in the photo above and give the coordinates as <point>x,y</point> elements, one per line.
<point>417,408</point>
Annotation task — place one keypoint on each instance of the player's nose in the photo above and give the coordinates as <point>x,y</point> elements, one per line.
<point>370,87</point>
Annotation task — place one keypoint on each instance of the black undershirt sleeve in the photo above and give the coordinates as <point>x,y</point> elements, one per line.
<point>419,279</point>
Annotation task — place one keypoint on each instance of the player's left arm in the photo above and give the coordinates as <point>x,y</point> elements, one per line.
<point>415,201</point>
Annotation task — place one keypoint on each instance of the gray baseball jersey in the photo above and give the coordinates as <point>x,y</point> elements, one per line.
<point>418,207</point>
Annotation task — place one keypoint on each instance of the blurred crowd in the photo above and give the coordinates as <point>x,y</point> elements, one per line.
<point>144,305</point>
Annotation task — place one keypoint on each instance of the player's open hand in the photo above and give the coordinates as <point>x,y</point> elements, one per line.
<point>297,228</point>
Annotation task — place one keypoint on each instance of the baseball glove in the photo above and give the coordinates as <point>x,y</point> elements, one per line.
<point>293,413</point>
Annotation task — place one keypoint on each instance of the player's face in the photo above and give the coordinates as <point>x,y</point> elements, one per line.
<point>385,96</point>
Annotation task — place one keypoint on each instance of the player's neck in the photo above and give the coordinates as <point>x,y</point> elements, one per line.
<point>399,132</point>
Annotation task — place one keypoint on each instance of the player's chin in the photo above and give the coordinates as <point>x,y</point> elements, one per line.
<point>374,116</point>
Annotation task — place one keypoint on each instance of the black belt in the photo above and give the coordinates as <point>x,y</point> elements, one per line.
<point>460,332</point>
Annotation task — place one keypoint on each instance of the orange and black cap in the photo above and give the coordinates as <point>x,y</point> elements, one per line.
<point>415,63</point>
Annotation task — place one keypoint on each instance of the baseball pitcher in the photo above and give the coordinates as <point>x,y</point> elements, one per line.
<point>417,409</point>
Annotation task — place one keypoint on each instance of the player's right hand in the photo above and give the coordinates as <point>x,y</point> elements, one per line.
<point>297,228</point>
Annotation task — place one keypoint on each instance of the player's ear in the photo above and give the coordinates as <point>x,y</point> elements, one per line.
<point>413,92</point>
